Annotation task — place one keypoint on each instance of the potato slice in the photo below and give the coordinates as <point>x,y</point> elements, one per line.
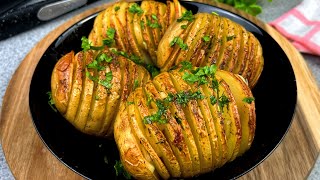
<point>99,99</point>
<point>171,13</point>
<point>231,119</point>
<point>258,66</point>
<point>164,85</point>
<point>240,91</point>
<point>227,43</point>
<point>120,34</point>
<point>219,126</point>
<point>86,95</point>
<point>162,12</point>
<point>243,51</point>
<point>95,36</point>
<point>197,124</point>
<point>164,49</point>
<point>61,81</point>
<point>199,22</point>
<point>118,90</point>
<point>214,52</point>
<point>173,132</point>
<point>250,58</point>
<point>209,122</point>
<point>150,136</point>
<point>76,88</point>
<point>153,16</point>
<point>230,64</point>
<point>133,154</point>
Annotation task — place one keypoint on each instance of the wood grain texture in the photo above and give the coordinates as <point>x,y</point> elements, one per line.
<point>28,158</point>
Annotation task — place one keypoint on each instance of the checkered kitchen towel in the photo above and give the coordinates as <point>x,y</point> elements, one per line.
<point>301,25</point>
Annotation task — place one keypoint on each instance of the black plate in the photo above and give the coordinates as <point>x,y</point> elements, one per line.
<point>93,158</point>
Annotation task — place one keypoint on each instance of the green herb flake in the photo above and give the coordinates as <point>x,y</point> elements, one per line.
<point>213,100</point>
<point>119,168</point>
<point>157,117</point>
<point>186,16</point>
<point>149,99</point>
<point>135,84</point>
<point>51,102</point>
<point>110,37</point>
<point>153,16</point>
<point>214,13</point>
<point>248,100</point>
<point>96,97</point>
<point>130,102</point>
<point>178,41</point>
<point>185,65</point>
<point>117,8</point>
<point>223,101</point>
<point>107,81</point>
<point>142,24</point>
<point>153,25</point>
<point>184,26</point>
<point>229,38</point>
<point>135,8</point>
<point>85,43</point>
<point>206,38</point>
<point>95,65</point>
<point>104,57</point>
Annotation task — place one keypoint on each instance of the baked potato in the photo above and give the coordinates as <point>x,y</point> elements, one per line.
<point>185,122</point>
<point>138,28</point>
<point>211,39</point>
<point>89,87</point>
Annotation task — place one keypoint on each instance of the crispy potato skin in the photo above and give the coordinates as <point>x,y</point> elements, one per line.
<point>195,136</point>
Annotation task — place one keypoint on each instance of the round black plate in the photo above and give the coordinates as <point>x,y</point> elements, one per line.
<point>93,158</point>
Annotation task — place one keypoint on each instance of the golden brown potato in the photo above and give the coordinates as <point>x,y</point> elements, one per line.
<point>98,88</point>
<point>212,39</point>
<point>193,126</point>
<point>138,28</point>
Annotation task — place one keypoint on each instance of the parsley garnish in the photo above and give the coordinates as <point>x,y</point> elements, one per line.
<point>185,65</point>
<point>142,24</point>
<point>248,100</point>
<point>223,100</point>
<point>179,41</point>
<point>229,38</point>
<point>157,117</point>
<point>135,84</point>
<point>130,102</point>
<point>135,9</point>
<point>206,38</point>
<point>200,75</point>
<point>120,170</point>
<point>184,26</point>
<point>186,16</point>
<point>86,45</point>
<point>213,100</point>
<point>149,99</point>
<point>103,82</point>
<point>51,102</point>
<point>214,13</point>
<point>104,57</point>
<point>117,8</point>
<point>110,37</point>
<point>154,24</point>
<point>96,64</point>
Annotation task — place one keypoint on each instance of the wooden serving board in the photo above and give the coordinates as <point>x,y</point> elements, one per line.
<point>28,158</point>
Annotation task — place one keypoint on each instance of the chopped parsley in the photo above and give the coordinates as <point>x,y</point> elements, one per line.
<point>157,117</point>
<point>110,37</point>
<point>186,16</point>
<point>179,41</point>
<point>213,100</point>
<point>104,57</point>
<point>130,102</point>
<point>142,24</point>
<point>103,82</point>
<point>117,8</point>
<point>206,38</point>
<point>185,65</point>
<point>229,38</point>
<point>86,45</point>
<point>120,170</point>
<point>214,13</point>
<point>149,99</point>
<point>184,26</point>
<point>135,8</point>
<point>96,64</point>
<point>153,24</point>
<point>135,84</point>
<point>223,100</point>
<point>51,102</point>
<point>200,75</point>
<point>248,100</point>
<point>184,97</point>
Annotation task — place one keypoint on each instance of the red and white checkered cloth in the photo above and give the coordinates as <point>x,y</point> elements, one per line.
<point>301,25</point>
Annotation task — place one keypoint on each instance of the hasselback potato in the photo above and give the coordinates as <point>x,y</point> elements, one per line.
<point>89,87</point>
<point>185,123</point>
<point>206,39</point>
<point>139,28</point>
